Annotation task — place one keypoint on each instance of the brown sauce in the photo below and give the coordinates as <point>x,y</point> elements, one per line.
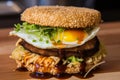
<point>58,76</point>
<point>21,69</point>
<point>63,76</point>
<point>47,75</point>
<point>61,67</point>
<point>41,75</point>
<point>82,71</point>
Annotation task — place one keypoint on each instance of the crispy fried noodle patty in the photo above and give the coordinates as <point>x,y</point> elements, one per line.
<point>48,64</point>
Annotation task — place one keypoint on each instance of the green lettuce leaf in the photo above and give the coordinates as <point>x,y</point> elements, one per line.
<point>39,31</point>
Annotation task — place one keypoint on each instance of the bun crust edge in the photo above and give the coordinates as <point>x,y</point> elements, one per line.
<point>61,16</point>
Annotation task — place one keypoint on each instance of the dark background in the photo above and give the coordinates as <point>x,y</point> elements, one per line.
<point>110,9</point>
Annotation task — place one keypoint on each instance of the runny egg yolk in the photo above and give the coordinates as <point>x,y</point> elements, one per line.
<point>72,36</point>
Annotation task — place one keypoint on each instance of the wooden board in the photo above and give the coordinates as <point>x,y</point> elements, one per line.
<point>109,34</point>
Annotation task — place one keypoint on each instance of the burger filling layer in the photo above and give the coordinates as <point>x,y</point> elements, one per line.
<point>53,37</point>
<point>53,64</point>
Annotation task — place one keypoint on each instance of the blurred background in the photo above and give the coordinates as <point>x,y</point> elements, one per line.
<point>10,10</point>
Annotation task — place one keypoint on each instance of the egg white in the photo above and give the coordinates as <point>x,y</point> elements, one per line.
<point>42,44</point>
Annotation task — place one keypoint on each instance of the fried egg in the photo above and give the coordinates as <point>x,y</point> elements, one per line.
<point>68,38</point>
<point>72,36</point>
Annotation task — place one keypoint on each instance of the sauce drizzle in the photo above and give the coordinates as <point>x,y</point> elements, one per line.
<point>21,69</point>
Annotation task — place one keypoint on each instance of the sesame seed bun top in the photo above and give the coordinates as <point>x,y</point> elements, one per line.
<point>62,16</point>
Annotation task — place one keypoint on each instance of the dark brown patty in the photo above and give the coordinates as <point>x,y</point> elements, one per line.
<point>86,50</point>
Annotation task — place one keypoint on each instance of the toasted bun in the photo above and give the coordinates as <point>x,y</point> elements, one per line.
<point>61,16</point>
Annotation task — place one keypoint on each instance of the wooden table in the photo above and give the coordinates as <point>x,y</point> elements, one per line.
<point>109,34</point>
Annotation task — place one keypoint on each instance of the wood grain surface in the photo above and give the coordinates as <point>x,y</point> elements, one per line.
<point>109,34</point>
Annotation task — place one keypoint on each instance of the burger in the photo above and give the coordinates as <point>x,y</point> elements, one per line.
<point>58,39</point>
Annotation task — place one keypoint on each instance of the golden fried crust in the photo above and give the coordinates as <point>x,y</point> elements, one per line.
<point>61,16</point>
<point>34,62</point>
